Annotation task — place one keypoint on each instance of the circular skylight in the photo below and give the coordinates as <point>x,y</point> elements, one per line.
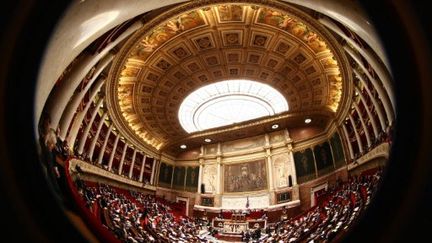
<point>228,102</point>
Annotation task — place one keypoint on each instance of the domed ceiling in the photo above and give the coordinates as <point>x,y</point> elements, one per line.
<point>203,42</point>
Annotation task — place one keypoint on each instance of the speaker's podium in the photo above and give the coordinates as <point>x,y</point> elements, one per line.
<point>238,217</point>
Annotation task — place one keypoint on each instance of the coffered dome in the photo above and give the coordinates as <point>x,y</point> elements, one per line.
<point>196,44</point>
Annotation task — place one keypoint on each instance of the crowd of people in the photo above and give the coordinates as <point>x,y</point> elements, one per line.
<point>137,217</point>
<point>329,219</point>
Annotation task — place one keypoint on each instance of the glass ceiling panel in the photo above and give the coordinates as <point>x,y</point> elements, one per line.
<point>229,102</point>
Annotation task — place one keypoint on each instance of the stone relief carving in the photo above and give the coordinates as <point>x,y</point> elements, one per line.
<point>261,201</point>
<point>281,164</point>
<point>243,144</point>
<point>210,177</point>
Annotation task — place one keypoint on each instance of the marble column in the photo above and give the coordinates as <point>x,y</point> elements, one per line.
<point>315,165</point>
<point>380,69</point>
<point>219,169</point>
<point>384,96</point>
<point>373,99</point>
<point>122,158</point>
<point>83,138</point>
<point>153,173</point>
<point>350,149</point>
<point>132,163</point>
<point>359,142</point>
<point>96,136</point>
<point>77,97</point>
<point>386,87</point>
<point>143,168</point>
<point>219,175</point>
<point>65,89</point>
<point>371,117</point>
<point>102,152</point>
<point>111,159</point>
<point>293,169</point>
<point>201,161</point>
<point>365,129</point>
<point>157,172</point>
<point>80,116</point>
<point>288,142</point>
<point>269,163</point>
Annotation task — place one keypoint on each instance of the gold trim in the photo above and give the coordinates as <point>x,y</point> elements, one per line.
<point>111,87</point>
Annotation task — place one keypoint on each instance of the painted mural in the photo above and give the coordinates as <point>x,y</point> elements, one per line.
<point>164,32</point>
<point>179,177</point>
<point>243,144</point>
<point>211,149</point>
<point>304,164</point>
<point>192,175</point>
<point>165,175</point>
<point>229,13</point>
<point>250,176</point>
<point>337,149</point>
<point>277,137</point>
<point>287,23</point>
<point>323,158</point>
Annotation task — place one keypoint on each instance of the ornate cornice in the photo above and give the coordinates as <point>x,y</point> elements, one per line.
<point>380,151</point>
<point>94,170</point>
<point>118,65</point>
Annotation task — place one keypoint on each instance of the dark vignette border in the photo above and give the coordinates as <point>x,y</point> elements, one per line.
<point>400,213</point>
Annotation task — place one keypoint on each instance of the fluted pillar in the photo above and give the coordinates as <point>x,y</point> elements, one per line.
<point>389,106</point>
<point>111,159</point>
<point>96,136</point>
<point>380,69</point>
<point>77,97</point>
<point>142,168</point>
<point>201,161</point>
<point>132,163</point>
<point>269,162</point>
<point>288,142</point>
<point>155,169</point>
<point>219,169</point>
<point>371,117</point>
<point>80,116</point>
<point>373,99</point>
<point>359,142</point>
<point>347,139</point>
<point>122,158</point>
<point>56,103</point>
<point>365,129</point>
<point>293,169</point>
<point>83,139</point>
<point>102,152</point>
<point>219,175</point>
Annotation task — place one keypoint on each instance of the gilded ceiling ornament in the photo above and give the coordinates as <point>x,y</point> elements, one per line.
<point>195,44</point>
